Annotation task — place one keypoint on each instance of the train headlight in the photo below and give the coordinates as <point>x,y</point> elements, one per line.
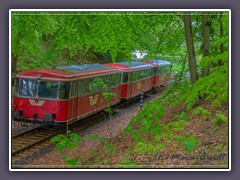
<point>53,107</point>
<point>20,103</point>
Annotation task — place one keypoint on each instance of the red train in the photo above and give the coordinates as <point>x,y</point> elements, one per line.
<point>64,94</point>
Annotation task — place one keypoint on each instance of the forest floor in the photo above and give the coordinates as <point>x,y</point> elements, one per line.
<point>212,151</point>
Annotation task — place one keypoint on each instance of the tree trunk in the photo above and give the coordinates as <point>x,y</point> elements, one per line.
<point>14,66</point>
<point>206,41</point>
<point>190,47</point>
<point>221,35</point>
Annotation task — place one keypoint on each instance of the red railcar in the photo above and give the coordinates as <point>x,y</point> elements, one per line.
<point>136,77</point>
<point>62,94</point>
<point>161,72</point>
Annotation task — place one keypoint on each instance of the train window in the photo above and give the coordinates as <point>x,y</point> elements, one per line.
<point>27,87</point>
<point>73,89</point>
<point>81,87</point>
<point>115,79</point>
<point>92,86</point>
<point>164,70</point>
<point>111,83</point>
<point>17,87</point>
<point>154,72</point>
<point>140,75</point>
<point>119,78</point>
<point>125,77</point>
<point>149,72</point>
<point>105,79</point>
<point>161,71</point>
<point>64,90</point>
<point>129,77</point>
<point>145,74</point>
<point>87,86</point>
<point>135,76</point>
<point>48,89</point>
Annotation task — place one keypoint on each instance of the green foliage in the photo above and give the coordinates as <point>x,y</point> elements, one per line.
<point>109,149</point>
<point>159,135</point>
<point>200,110</point>
<point>149,148</point>
<point>221,118</point>
<point>28,30</point>
<point>151,111</point>
<point>189,143</point>
<point>99,83</point>
<point>127,163</point>
<point>43,39</point>
<point>64,142</point>
<point>69,141</point>
<point>40,39</point>
<point>182,115</point>
<point>220,147</point>
<point>74,162</point>
<point>212,87</point>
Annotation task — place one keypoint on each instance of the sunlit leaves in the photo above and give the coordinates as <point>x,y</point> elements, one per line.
<point>27,33</point>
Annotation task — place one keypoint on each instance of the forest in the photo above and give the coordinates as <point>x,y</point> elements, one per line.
<point>187,126</point>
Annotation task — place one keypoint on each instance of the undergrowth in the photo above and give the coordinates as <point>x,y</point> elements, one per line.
<point>148,134</point>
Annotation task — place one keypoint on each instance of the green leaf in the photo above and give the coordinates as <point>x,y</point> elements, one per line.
<point>72,146</point>
<point>74,137</point>
<point>59,147</point>
<point>159,146</point>
<point>55,139</point>
<point>158,137</point>
<point>188,119</point>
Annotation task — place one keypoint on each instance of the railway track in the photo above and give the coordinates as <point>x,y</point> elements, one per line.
<point>29,142</point>
<point>32,137</point>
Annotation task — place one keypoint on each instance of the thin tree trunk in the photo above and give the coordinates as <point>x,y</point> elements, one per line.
<point>14,65</point>
<point>190,47</point>
<point>206,41</point>
<point>221,35</point>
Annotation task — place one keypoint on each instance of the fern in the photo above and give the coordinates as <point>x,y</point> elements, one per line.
<point>221,118</point>
<point>200,110</point>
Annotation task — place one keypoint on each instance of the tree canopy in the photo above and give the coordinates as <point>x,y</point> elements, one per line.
<point>44,39</point>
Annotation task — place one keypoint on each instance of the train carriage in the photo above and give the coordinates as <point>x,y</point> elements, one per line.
<point>63,94</point>
<point>136,77</point>
<point>161,72</point>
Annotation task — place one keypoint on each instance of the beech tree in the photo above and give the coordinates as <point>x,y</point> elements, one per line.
<point>190,47</point>
<point>28,30</point>
<point>206,40</point>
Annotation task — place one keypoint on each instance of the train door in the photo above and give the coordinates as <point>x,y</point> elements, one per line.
<point>73,104</point>
<point>129,85</point>
<point>161,76</point>
<point>154,77</point>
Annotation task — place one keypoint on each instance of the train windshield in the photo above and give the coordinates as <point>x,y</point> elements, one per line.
<point>27,87</point>
<point>48,89</point>
<point>43,89</point>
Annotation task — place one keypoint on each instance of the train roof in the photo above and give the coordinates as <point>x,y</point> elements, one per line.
<point>160,62</point>
<point>128,66</point>
<point>68,72</point>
